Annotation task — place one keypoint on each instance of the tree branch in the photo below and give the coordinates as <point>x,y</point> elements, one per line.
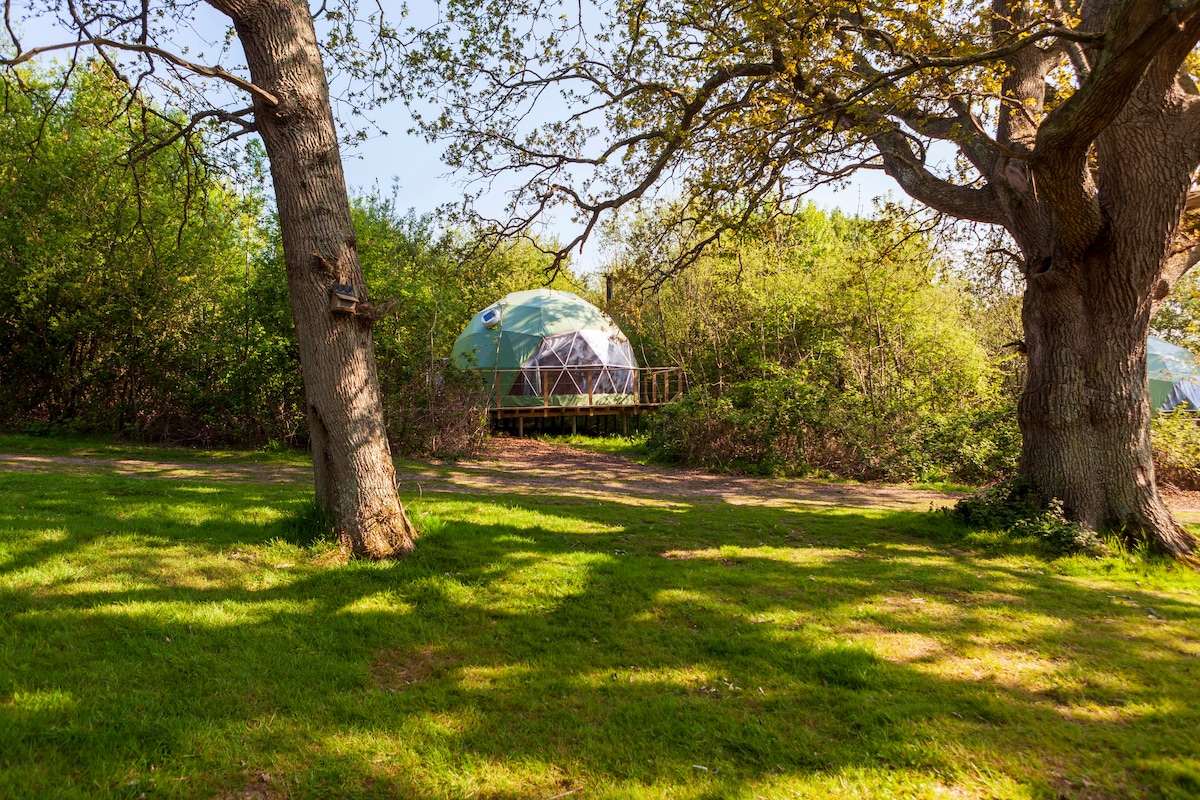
<point>234,117</point>
<point>148,50</point>
<point>1070,129</point>
<point>1059,162</point>
<point>8,25</point>
<point>902,164</point>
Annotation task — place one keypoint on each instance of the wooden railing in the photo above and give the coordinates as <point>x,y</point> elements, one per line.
<point>654,386</point>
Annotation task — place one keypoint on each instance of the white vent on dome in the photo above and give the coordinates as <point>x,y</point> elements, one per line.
<point>490,317</point>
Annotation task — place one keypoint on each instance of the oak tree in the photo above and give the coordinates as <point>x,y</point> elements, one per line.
<point>1074,125</point>
<point>284,80</point>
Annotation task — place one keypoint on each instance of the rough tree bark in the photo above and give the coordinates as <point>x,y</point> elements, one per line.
<point>1084,413</point>
<point>1099,225</point>
<point>352,465</point>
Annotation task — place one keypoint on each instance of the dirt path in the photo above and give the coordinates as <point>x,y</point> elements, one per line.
<point>531,467</point>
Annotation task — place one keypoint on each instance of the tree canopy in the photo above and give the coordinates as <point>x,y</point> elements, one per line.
<point>960,102</point>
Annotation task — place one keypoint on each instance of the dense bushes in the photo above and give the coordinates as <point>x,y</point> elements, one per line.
<point>443,415</point>
<point>781,427</point>
<point>122,279</point>
<point>757,425</point>
<point>822,343</point>
<point>141,295</point>
<point>1176,439</point>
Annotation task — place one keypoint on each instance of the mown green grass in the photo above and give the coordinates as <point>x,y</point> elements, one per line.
<point>164,638</point>
<point>631,447</point>
<point>85,446</point>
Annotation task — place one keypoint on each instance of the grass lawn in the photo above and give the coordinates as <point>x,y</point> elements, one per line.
<point>105,447</point>
<point>630,447</point>
<point>167,638</point>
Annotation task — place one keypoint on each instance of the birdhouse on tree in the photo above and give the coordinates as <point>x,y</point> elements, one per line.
<point>344,299</point>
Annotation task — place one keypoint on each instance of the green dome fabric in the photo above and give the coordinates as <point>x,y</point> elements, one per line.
<point>544,333</point>
<point>1167,366</point>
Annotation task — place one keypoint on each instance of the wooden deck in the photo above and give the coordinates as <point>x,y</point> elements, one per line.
<point>655,388</point>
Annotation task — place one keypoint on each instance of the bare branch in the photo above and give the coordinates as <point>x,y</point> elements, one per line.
<point>8,25</point>
<point>237,118</point>
<point>101,42</point>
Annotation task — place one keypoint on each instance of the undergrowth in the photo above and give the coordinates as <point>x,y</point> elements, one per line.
<point>1014,508</point>
<point>1176,440</point>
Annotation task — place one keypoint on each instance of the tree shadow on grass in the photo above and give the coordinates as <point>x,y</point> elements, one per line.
<point>542,648</point>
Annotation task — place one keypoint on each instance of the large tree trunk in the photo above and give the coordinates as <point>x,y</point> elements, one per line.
<point>1099,221</point>
<point>1085,411</point>
<point>352,465</point>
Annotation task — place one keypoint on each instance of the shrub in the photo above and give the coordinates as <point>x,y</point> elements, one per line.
<point>1014,507</point>
<point>1059,535</point>
<point>973,446</point>
<point>1176,440</point>
<point>787,425</point>
<point>820,342</point>
<point>442,413</point>
<point>764,426</point>
<point>696,431</point>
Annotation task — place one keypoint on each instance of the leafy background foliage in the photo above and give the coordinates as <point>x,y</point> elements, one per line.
<point>145,295</point>
<point>817,342</point>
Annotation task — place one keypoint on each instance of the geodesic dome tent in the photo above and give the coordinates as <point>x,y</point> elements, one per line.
<point>1174,376</point>
<point>547,347</point>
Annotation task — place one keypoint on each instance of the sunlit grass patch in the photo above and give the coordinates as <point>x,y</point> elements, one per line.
<point>108,448</point>
<point>185,639</point>
<point>631,447</point>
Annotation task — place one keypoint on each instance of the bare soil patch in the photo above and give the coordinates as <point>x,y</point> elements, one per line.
<point>1185,504</point>
<point>398,668</point>
<point>259,786</point>
<point>529,466</point>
